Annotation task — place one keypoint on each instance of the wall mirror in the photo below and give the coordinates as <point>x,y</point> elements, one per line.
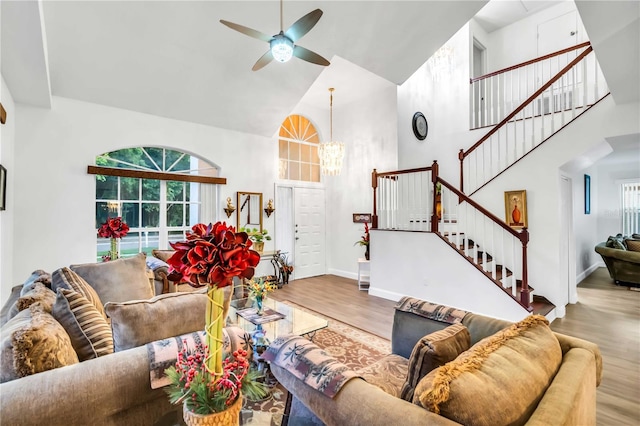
<point>249,205</point>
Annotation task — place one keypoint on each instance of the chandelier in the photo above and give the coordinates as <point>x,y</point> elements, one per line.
<point>331,153</point>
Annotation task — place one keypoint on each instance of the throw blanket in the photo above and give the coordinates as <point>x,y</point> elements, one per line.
<point>309,363</point>
<point>164,353</point>
<point>429,310</point>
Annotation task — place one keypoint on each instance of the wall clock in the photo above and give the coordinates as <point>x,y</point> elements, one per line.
<point>420,126</point>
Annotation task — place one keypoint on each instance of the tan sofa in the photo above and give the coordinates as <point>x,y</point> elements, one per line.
<point>569,398</point>
<point>112,389</point>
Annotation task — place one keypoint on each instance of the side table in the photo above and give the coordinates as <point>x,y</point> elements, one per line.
<point>364,276</point>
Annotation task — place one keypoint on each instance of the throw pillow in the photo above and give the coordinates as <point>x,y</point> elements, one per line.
<point>32,342</point>
<point>118,280</point>
<point>432,351</point>
<point>66,278</point>
<point>163,255</point>
<point>616,242</point>
<point>515,365</point>
<point>632,244</point>
<point>10,308</point>
<point>37,276</point>
<point>138,322</point>
<point>38,294</point>
<point>87,327</point>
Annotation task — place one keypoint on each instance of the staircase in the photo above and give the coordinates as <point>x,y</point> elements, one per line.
<point>420,200</point>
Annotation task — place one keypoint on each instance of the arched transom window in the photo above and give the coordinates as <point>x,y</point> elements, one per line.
<point>157,209</point>
<point>298,150</point>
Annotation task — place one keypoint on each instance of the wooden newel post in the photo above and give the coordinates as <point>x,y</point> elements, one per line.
<point>434,180</point>
<point>525,293</point>
<point>374,185</point>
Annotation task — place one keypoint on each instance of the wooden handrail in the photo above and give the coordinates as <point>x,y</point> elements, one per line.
<point>531,98</point>
<point>147,174</point>
<point>402,172</point>
<point>529,62</point>
<point>523,236</point>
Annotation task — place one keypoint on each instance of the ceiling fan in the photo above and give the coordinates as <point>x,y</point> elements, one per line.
<point>281,45</point>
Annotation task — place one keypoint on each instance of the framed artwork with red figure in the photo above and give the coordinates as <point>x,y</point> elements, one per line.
<point>515,204</point>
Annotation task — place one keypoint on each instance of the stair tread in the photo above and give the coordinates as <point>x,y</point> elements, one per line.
<point>541,305</point>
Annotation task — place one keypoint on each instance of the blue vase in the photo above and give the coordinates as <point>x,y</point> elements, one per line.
<point>259,305</point>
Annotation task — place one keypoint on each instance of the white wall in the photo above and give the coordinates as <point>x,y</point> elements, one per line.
<point>585,226</point>
<point>54,207</point>
<point>608,215</point>
<point>421,265</point>
<point>7,159</point>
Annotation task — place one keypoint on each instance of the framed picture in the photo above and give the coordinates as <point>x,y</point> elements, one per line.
<point>362,218</point>
<point>3,187</point>
<point>515,207</point>
<point>587,194</point>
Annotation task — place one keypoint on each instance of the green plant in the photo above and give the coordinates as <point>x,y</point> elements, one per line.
<point>255,235</point>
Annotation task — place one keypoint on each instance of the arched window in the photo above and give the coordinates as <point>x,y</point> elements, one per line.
<point>158,210</point>
<point>298,151</point>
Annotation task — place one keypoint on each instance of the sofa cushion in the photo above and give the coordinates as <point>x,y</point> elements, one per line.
<point>39,293</point>
<point>389,373</point>
<point>500,380</point>
<point>632,244</point>
<point>87,327</point>
<point>32,342</point>
<point>432,351</point>
<point>118,280</point>
<point>138,322</point>
<point>68,279</point>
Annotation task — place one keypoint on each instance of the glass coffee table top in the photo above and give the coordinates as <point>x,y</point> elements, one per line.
<point>295,321</point>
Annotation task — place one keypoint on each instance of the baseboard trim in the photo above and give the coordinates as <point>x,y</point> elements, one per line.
<point>589,271</point>
<point>343,274</point>
<point>385,294</point>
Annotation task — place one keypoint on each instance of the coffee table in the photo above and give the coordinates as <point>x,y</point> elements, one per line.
<point>295,321</point>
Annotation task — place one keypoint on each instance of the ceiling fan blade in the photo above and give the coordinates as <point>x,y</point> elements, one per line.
<point>303,25</point>
<point>247,31</point>
<point>309,56</point>
<point>264,60</point>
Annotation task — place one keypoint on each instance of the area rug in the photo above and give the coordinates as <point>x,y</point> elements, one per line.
<point>351,346</point>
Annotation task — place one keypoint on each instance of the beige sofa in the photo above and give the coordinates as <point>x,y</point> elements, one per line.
<point>112,389</point>
<point>567,395</point>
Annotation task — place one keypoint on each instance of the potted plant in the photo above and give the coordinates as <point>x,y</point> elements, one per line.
<point>114,228</point>
<point>211,256</point>
<point>364,241</point>
<point>258,237</point>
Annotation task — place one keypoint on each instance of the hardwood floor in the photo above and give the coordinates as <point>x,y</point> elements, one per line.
<point>607,315</point>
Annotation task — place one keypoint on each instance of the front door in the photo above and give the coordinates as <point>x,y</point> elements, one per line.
<point>309,232</point>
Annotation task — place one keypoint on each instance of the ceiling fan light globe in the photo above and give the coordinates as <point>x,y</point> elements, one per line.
<point>281,48</point>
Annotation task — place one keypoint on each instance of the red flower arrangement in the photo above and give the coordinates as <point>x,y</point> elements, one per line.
<point>211,256</point>
<point>114,227</point>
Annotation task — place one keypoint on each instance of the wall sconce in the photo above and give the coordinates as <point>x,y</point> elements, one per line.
<point>269,209</point>
<point>230,207</point>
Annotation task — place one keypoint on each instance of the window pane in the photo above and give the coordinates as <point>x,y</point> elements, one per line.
<point>294,151</point>
<point>150,215</point>
<point>315,173</point>
<point>102,213</point>
<point>106,187</point>
<point>175,236</point>
<point>283,149</point>
<point>306,172</point>
<point>315,158</point>
<point>131,214</point>
<point>151,189</point>
<point>294,170</point>
<point>193,191</point>
<point>305,153</point>
<point>192,215</point>
<point>149,241</point>
<point>174,214</point>
<point>156,155</point>
<point>130,245</point>
<point>129,188</point>
<point>175,191</point>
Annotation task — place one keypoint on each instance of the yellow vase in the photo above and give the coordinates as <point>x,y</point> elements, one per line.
<point>258,246</point>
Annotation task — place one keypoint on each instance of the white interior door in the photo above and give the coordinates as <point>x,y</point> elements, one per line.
<point>309,231</point>
<point>285,223</point>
